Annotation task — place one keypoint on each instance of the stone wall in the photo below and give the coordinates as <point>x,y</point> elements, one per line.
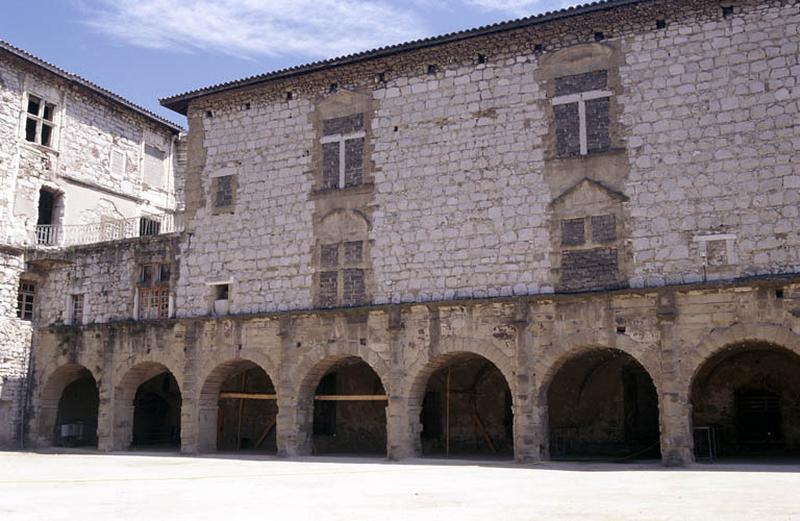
<point>77,166</point>
<point>465,179</point>
<point>106,274</point>
<point>671,334</point>
<point>15,342</point>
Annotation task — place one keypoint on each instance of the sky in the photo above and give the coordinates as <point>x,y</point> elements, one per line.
<point>149,49</point>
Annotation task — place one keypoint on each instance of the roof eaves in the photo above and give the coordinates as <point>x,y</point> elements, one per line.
<point>79,80</point>
<point>180,102</point>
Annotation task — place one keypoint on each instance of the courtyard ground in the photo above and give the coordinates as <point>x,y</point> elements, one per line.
<point>156,487</point>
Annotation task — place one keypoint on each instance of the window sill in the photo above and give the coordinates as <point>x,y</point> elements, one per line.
<point>365,188</point>
<point>35,147</point>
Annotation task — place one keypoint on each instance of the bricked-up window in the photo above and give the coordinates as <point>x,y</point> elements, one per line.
<point>153,166</point>
<point>153,291</point>
<point>343,152</point>
<point>76,309</point>
<point>581,109</point>
<point>342,279</point>
<point>223,193</point>
<point>40,121</point>
<point>25,296</point>
<point>588,253</point>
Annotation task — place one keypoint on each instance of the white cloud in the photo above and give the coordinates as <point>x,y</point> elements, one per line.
<point>314,28</point>
<point>523,7</point>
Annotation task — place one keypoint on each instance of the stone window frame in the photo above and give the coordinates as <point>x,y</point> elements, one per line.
<point>215,186</point>
<point>40,121</point>
<point>730,248</point>
<point>581,98</point>
<point>76,309</point>
<point>123,158</point>
<point>26,299</point>
<point>163,159</point>
<point>153,299</point>
<point>341,267</point>
<point>217,288</point>
<point>342,140</point>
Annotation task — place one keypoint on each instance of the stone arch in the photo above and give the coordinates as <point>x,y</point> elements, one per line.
<point>479,416</point>
<point>50,399</point>
<point>628,424</point>
<point>124,394</point>
<point>342,220</point>
<point>743,392</point>
<point>582,345</point>
<point>312,374</point>
<point>719,339</point>
<point>208,401</point>
<point>453,347</point>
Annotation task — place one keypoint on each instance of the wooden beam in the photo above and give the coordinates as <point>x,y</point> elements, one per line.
<point>351,397</point>
<point>320,397</point>
<point>247,396</point>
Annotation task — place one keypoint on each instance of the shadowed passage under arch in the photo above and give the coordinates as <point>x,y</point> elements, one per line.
<point>467,409</point>
<point>602,404</point>
<point>70,407</point>
<point>746,403</point>
<point>349,410</point>
<point>147,408</point>
<point>238,409</point>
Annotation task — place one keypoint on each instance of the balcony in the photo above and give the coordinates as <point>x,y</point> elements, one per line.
<point>107,230</point>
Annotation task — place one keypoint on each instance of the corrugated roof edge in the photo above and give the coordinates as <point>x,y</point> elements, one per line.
<point>79,80</point>
<point>180,102</point>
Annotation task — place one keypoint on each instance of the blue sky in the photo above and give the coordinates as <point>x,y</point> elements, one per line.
<point>146,49</point>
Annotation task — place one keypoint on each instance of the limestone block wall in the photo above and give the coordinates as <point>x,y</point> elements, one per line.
<point>15,349</point>
<point>264,246</point>
<point>672,334</point>
<point>467,193</point>
<point>711,107</point>
<point>106,274</point>
<point>88,131</point>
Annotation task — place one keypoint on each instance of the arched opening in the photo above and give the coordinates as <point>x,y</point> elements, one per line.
<point>349,410</point>
<point>147,408</point>
<point>69,408</point>
<point>467,409</point>
<point>603,405</point>
<point>157,413</point>
<point>238,409</point>
<point>746,403</point>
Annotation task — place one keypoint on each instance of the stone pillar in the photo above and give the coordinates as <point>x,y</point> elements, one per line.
<point>402,417</point>
<point>294,427</point>
<point>105,409</point>
<point>527,422</point>
<point>186,338</point>
<point>677,443</point>
<point>400,433</point>
<point>105,417</point>
<point>675,412</point>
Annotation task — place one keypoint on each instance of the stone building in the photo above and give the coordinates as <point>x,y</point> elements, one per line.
<point>573,235</point>
<point>78,164</point>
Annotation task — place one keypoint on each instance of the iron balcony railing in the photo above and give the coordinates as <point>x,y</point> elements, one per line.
<point>108,230</point>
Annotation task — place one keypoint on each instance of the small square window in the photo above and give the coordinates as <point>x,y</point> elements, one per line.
<point>224,188</point>
<point>221,291</point>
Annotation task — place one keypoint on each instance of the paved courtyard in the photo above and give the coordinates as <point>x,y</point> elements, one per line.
<point>157,487</point>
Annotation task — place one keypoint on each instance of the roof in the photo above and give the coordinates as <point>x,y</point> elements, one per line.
<point>83,82</point>
<point>180,102</point>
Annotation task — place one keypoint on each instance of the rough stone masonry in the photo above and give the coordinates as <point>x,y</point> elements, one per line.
<point>544,239</point>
